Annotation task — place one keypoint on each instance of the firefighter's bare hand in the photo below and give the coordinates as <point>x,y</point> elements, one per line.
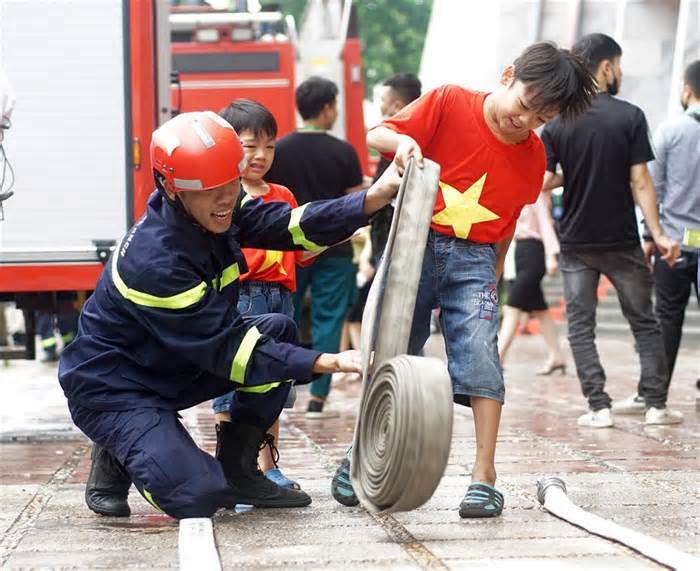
<point>345,362</point>
<point>406,149</point>
<point>382,191</point>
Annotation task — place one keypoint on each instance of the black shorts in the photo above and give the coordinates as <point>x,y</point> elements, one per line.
<point>525,291</point>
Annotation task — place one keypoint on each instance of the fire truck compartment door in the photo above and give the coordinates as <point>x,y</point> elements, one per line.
<point>67,144</point>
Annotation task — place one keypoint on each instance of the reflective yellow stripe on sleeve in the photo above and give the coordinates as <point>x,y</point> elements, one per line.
<point>177,301</point>
<point>245,350</point>
<point>298,236</point>
<point>229,275</point>
<point>260,388</point>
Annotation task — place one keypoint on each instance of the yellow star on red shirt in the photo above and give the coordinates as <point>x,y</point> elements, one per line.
<point>273,257</point>
<point>462,209</point>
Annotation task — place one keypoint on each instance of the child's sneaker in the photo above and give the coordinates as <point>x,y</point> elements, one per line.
<point>596,419</point>
<point>315,410</point>
<point>663,416</point>
<point>631,405</point>
<point>276,475</point>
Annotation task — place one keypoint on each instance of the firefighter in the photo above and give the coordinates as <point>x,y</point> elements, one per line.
<point>162,333</point>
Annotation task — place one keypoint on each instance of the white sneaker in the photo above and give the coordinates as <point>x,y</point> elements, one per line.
<point>596,419</point>
<point>663,416</point>
<point>631,405</point>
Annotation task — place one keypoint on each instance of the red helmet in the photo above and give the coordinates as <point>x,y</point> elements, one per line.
<point>197,151</point>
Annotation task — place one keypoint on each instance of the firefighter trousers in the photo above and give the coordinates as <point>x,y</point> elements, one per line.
<point>164,463</point>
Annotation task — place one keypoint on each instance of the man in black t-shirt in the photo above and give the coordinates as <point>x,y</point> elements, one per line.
<point>315,165</point>
<point>603,156</point>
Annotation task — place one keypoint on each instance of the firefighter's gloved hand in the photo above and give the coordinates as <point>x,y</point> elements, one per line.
<point>345,362</point>
<point>381,192</point>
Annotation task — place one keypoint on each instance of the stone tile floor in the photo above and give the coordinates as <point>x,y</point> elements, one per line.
<point>646,478</point>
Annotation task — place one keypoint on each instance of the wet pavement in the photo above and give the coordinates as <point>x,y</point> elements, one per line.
<point>645,478</point>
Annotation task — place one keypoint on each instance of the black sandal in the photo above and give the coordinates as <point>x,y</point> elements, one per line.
<point>481,500</point>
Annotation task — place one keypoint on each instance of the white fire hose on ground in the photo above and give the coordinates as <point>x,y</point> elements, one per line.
<point>551,493</point>
<point>404,426</point>
<point>196,545</point>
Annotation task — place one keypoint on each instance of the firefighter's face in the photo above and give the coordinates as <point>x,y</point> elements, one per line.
<point>514,112</point>
<point>259,151</point>
<point>212,209</point>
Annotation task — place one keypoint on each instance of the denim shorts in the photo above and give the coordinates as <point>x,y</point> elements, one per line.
<point>258,298</point>
<point>459,277</point>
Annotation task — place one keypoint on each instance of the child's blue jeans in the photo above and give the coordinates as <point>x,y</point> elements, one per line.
<point>459,277</point>
<point>258,298</point>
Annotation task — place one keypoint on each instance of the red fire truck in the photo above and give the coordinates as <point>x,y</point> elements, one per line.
<point>219,56</point>
<point>91,81</point>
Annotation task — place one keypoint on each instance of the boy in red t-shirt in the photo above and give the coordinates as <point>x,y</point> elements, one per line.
<point>268,284</point>
<point>492,164</point>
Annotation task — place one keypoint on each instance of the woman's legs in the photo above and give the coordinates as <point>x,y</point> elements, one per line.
<point>511,319</point>
<point>551,338</point>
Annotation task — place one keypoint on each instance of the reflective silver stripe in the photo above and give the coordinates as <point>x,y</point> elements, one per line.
<point>188,184</point>
<point>203,134</point>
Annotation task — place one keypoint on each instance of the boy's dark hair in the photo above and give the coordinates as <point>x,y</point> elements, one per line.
<point>555,78</point>
<point>691,77</point>
<point>313,94</point>
<point>246,114</point>
<point>406,85</point>
<point>595,48</point>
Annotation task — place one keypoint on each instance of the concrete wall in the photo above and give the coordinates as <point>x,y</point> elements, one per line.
<point>469,42</point>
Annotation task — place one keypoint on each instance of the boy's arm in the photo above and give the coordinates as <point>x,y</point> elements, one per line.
<point>388,141</point>
<point>501,251</point>
<point>312,226</point>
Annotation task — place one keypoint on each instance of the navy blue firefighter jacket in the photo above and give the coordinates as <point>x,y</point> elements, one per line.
<point>162,322</point>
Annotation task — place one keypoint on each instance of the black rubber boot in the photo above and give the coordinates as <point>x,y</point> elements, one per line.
<point>237,447</point>
<point>108,485</point>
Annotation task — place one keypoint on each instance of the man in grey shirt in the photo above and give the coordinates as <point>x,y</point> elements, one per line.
<point>676,174</point>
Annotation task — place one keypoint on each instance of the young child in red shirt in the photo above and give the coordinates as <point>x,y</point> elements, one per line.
<point>268,284</point>
<point>492,164</point>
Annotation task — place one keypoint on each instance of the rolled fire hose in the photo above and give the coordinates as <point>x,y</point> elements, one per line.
<point>551,493</point>
<point>404,427</point>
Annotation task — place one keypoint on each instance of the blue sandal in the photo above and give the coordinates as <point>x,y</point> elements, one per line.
<point>481,500</point>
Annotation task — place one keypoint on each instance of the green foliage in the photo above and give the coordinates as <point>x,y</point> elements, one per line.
<point>392,34</point>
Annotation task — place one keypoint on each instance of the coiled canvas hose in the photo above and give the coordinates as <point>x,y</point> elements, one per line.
<point>404,428</point>
<point>551,493</point>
